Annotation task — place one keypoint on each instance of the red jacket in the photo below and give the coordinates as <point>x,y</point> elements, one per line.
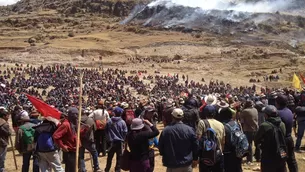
<point>65,137</point>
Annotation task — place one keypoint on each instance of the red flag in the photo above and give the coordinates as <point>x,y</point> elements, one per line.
<point>302,77</point>
<point>43,108</point>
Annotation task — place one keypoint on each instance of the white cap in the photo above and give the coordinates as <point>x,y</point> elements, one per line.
<point>178,113</point>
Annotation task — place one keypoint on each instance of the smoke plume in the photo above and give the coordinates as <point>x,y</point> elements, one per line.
<point>253,6</point>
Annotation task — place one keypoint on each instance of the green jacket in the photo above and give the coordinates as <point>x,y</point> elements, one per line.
<point>265,138</point>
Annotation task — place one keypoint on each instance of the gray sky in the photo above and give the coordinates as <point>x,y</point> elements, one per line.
<point>7,2</point>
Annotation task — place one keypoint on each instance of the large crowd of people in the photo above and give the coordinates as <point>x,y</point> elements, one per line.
<point>212,125</point>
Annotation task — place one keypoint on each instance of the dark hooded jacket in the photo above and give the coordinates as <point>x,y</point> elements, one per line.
<point>265,138</point>
<point>5,132</point>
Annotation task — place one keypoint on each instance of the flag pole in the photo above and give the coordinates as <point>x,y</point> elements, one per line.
<point>14,155</point>
<point>79,120</point>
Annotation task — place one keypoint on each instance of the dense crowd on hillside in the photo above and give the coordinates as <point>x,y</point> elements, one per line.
<point>211,124</point>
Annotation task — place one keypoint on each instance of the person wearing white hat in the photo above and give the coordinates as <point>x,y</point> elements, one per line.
<point>178,145</point>
<point>210,100</point>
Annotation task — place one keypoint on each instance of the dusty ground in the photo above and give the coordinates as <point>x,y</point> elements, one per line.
<point>232,58</point>
<point>47,37</point>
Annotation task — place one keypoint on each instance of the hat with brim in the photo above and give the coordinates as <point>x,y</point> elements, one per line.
<point>223,104</point>
<point>137,124</point>
<point>125,105</point>
<point>210,100</point>
<point>217,95</point>
<point>178,113</point>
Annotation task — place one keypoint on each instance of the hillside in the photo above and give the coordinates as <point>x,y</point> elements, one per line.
<point>80,32</point>
<point>110,7</point>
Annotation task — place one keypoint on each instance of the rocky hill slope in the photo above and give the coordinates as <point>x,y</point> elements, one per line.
<point>111,7</point>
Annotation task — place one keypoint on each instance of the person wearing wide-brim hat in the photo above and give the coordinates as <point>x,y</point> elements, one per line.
<point>210,100</point>
<point>138,142</point>
<point>222,104</point>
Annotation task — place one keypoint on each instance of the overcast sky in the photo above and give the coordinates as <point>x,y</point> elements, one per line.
<point>7,2</point>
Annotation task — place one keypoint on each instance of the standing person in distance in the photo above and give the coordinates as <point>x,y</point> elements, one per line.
<point>117,130</point>
<point>300,113</point>
<point>178,145</point>
<point>249,121</point>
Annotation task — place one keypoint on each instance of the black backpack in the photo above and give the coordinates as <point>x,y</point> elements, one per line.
<point>210,152</point>
<point>191,117</point>
<point>280,143</point>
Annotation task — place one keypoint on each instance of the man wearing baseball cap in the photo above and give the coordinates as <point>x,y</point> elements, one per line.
<point>178,144</point>
<point>267,140</point>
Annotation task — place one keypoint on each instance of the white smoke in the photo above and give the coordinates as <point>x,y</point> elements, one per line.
<point>8,2</point>
<point>262,6</point>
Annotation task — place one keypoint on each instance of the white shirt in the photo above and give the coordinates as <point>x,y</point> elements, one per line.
<point>98,114</point>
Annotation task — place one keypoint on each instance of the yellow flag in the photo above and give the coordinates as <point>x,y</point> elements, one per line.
<point>296,82</point>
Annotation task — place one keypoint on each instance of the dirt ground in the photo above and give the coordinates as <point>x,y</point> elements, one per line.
<point>93,41</point>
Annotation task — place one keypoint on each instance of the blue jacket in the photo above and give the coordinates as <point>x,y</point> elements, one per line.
<point>116,129</point>
<point>178,145</point>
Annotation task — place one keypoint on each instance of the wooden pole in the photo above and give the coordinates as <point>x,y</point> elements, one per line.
<point>14,155</point>
<point>79,120</point>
